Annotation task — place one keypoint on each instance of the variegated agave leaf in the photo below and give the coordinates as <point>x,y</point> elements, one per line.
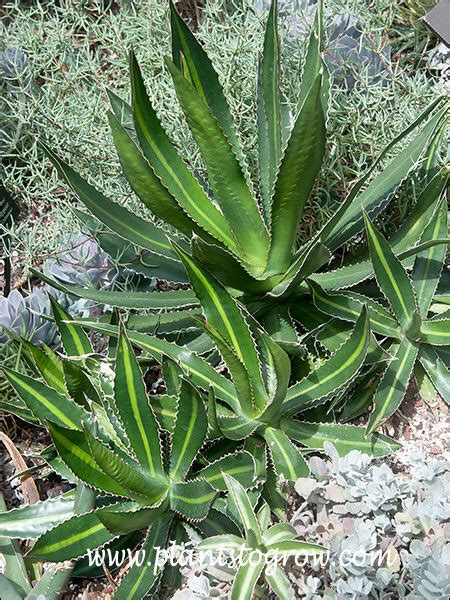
<point>260,370</point>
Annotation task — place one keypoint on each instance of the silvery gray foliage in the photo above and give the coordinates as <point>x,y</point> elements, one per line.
<point>395,525</point>
<point>14,81</point>
<point>348,48</point>
<point>84,263</point>
<point>26,316</point>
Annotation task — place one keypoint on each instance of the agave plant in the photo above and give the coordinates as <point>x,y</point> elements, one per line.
<point>258,405</point>
<point>417,337</point>
<point>114,445</point>
<point>244,237</point>
<point>266,544</point>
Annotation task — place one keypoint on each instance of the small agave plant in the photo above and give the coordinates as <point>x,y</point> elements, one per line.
<point>262,547</point>
<point>416,337</point>
<point>244,236</point>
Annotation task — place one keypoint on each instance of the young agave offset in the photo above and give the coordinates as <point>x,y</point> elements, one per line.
<point>246,240</point>
<point>262,548</point>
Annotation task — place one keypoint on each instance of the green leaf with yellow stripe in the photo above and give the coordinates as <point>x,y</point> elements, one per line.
<point>45,402</point>
<point>344,437</point>
<point>134,410</point>
<point>436,370</point>
<point>224,315</point>
<point>49,365</point>
<point>201,373</point>
<point>189,434</point>
<point>286,457</point>
<point>393,384</point>
<point>129,474</point>
<point>173,299</point>
<point>393,280</point>
<point>246,579</point>
<point>140,579</point>
<point>436,332</point>
<point>239,465</point>
<point>170,168</point>
<point>348,305</point>
<point>75,452</point>
<point>244,508</point>
<point>379,192</point>
<point>230,188</point>
<point>269,109</point>
<point>192,499</point>
<point>71,539</point>
<point>73,338</point>
<point>30,522</point>
<point>428,264</point>
<point>189,57</point>
<point>334,375</point>
<point>125,223</point>
<point>299,168</point>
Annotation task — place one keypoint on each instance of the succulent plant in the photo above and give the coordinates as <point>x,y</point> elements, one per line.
<point>81,261</point>
<point>399,546</point>
<point>268,543</point>
<point>249,243</point>
<point>15,80</point>
<point>348,48</point>
<point>417,336</point>
<point>26,316</point>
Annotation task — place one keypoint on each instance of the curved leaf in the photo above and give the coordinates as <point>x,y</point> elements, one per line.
<point>170,168</point>
<point>344,437</point>
<point>140,578</point>
<point>29,522</point>
<point>71,539</point>
<point>380,190</point>
<point>334,374</point>
<point>436,332</point>
<point>428,264</point>
<point>436,370</point>
<point>192,499</point>
<point>392,279</point>
<point>171,300</point>
<point>299,168</point>
<point>240,465</point>
<point>287,459</point>
<point>393,384</point>
<point>348,306</point>
<point>45,402</point>
<point>227,180</point>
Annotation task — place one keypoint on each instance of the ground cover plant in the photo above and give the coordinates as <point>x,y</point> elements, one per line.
<point>268,342</point>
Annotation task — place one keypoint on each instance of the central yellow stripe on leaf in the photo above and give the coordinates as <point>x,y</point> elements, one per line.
<point>73,539</point>
<point>344,365</point>
<point>187,439</point>
<point>53,409</point>
<point>389,274</point>
<point>215,298</point>
<point>135,407</point>
<point>156,150</point>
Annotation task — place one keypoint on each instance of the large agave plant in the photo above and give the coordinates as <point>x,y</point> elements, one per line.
<point>258,405</point>
<point>244,237</point>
